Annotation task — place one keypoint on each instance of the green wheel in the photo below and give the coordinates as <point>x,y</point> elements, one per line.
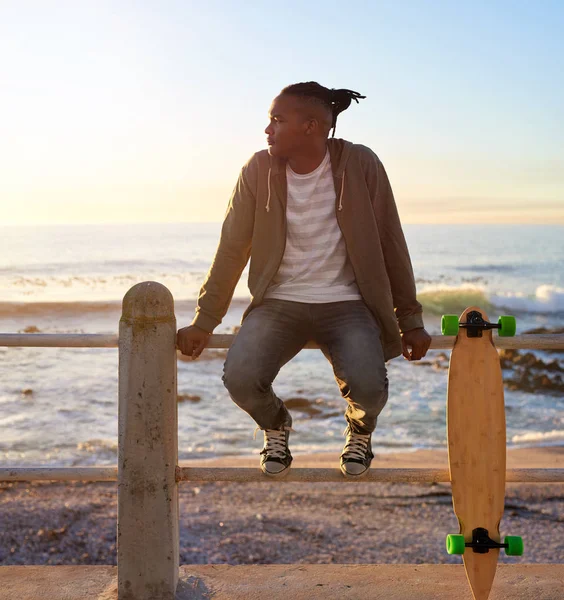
<point>449,325</point>
<point>508,326</point>
<point>514,545</point>
<point>455,544</point>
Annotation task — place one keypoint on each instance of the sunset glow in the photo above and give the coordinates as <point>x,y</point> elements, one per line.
<point>120,112</point>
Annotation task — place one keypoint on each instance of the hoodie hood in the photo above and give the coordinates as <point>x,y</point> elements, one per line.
<point>339,151</point>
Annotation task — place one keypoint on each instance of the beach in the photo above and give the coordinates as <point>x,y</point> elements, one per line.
<point>44,523</point>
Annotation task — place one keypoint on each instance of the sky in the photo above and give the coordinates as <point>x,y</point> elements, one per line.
<point>134,111</point>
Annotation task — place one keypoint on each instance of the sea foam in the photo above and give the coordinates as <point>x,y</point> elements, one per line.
<point>544,437</point>
<point>547,299</point>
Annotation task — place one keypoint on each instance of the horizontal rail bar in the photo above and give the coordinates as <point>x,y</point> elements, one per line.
<point>59,340</point>
<point>543,341</point>
<point>59,474</point>
<point>315,475</point>
<point>196,474</point>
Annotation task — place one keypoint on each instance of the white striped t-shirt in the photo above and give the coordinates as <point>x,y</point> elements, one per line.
<point>315,267</point>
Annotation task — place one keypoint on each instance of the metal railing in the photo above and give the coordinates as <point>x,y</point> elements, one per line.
<point>148,473</point>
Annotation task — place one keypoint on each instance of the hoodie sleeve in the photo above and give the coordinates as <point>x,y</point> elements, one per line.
<point>396,255</point>
<point>231,256</point>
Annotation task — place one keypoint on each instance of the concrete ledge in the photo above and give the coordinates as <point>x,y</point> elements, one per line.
<point>285,582</point>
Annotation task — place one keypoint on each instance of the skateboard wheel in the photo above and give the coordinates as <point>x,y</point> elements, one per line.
<point>449,325</point>
<point>514,545</point>
<point>507,326</point>
<point>455,544</point>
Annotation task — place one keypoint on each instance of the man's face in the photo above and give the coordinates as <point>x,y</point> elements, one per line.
<point>286,131</point>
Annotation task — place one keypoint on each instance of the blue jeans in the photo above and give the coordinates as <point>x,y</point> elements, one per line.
<point>276,330</point>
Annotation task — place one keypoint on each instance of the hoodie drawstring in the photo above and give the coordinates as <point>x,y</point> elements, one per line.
<point>268,200</point>
<point>342,189</point>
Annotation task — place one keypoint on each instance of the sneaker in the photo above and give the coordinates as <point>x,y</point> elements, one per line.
<point>275,456</point>
<point>357,454</point>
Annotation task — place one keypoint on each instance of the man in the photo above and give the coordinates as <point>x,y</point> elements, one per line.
<point>329,263</point>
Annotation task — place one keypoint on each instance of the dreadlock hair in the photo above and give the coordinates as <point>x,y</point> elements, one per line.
<point>335,100</point>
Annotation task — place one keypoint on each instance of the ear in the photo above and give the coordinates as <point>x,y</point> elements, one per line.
<point>311,126</point>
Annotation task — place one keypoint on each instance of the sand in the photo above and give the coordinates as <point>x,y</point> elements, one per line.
<point>44,523</point>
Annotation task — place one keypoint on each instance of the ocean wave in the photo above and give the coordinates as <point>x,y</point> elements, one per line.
<point>539,437</point>
<point>546,299</point>
<point>436,300</point>
<point>487,268</point>
<point>104,269</point>
<point>109,281</point>
<point>30,309</point>
<point>439,300</point>
<point>73,309</point>
<point>97,445</point>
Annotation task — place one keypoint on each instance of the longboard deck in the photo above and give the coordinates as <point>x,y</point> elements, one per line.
<point>477,447</point>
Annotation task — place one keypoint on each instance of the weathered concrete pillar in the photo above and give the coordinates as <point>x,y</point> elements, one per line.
<point>147,529</point>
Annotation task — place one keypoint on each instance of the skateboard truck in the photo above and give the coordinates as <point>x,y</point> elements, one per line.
<point>482,543</point>
<point>475,324</point>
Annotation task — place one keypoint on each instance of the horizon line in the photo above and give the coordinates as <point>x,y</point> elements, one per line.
<point>125,223</point>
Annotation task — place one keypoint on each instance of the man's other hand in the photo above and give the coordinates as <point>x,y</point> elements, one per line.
<point>418,340</point>
<point>192,340</point>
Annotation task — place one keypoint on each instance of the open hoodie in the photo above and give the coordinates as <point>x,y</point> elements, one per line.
<point>255,227</point>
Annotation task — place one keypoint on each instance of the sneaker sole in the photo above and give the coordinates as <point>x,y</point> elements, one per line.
<point>351,476</point>
<point>281,474</point>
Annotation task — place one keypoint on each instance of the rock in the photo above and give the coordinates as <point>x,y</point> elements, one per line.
<point>51,534</point>
<point>530,373</point>
<point>506,358</point>
<point>188,397</point>
<point>440,366</point>
<point>438,362</point>
<point>529,361</point>
<point>334,413</point>
<point>554,365</point>
<point>303,405</point>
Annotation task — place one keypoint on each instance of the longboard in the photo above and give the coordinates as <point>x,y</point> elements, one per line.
<point>477,446</point>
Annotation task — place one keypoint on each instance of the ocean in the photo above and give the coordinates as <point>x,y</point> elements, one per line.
<point>58,406</point>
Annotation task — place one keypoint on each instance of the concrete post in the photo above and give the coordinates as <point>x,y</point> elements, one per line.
<point>147,529</point>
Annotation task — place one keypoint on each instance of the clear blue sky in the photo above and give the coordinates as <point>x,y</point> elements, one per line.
<point>145,111</point>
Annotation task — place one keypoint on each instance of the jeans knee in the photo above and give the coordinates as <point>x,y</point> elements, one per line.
<point>371,393</point>
<point>243,387</point>
<point>234,382</point>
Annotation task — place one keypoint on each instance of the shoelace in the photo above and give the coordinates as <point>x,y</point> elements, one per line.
<point>274,442</point>
<point>356,445</point>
